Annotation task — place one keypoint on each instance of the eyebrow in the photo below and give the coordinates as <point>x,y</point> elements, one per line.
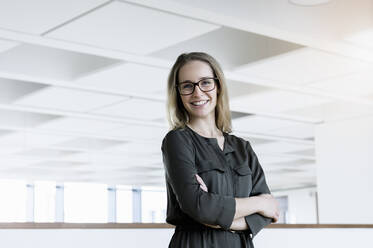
<point>190,81</point>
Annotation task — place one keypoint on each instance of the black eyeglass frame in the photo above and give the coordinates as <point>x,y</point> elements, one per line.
<point>197,83</point>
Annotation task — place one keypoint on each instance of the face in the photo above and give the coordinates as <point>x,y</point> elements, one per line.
<point>199,104</point>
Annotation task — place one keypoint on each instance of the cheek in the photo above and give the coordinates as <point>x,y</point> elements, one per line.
<point>184,100</point>
<point>214,99</point>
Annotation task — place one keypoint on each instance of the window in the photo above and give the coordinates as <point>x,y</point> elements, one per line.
<point>85,202</point>
<point>13,197</point>
<point>154,204</point>
<point>124,204</point>
<point>283,207</point>
<point>44,200</point>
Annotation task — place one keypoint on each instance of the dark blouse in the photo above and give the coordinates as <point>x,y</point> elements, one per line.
<point>229,173</point>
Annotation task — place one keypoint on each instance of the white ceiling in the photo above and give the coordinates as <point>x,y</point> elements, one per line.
<point>83,83</point>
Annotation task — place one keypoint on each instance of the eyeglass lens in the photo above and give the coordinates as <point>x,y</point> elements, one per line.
<point>206,84</point>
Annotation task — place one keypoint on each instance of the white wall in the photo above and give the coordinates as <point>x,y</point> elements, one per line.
<point>159,238</point>
<point>314,238</point>
<point>81,238</point>
<point>344,154</point>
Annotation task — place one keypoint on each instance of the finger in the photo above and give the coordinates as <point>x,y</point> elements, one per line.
<point>200,180</point>
<point>204,188</point>
<point>276,218</point>
<point>202,183</point>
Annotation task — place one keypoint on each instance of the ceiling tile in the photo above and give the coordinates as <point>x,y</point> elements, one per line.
<point>79,125</point>
<point>138,132</point>
<point>44,174</point>
<point>16,162</point>
<point>68,99</point>
<point>128,78</point>
<point>333,111</point>
<point>296,163</point>
<point>46,153</point>
<point>283,171</point>
<point>265,160</point>
<point>10,149</point>
<point>351,85</point>
<point>237,89</point>
<point>116,160</point>
<point>88,143</point>
<point>274,101</point>
<point>369,97</point>
<point>138,148</point>
<point>38,16</point>
<point>58,164</point>
<point>236,115</point>
<point>281,147</point>
<point>4,132</point>
<point>6,45</point>
<point>135,108</point>
<point>13,118</point>
<point>259,124</point>
<point>113,27</point>
<point>362,38</point>
<point>46,62</point>
<point>12,90</point>
<point>303,66</point>
<point>299,131</point>
<point>26,139</point>
<point>306,152</point>
<point>235,47</point>
<point>255,141</point>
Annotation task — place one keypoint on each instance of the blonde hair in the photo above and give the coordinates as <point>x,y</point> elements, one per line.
<point>177,115</point>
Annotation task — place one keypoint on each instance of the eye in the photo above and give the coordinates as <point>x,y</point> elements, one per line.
<point>186,86</point>
<point>206,82</point>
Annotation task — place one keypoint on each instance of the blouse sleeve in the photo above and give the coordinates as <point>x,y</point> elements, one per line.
<point>257,222</point>
<point>179,162</point>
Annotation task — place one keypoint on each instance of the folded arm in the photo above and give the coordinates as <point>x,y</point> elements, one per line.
<point>257,221</point>
<point>204,207</point>
<point>244,206</point>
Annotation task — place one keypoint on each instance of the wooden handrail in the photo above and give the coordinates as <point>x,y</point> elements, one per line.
<point>59,225</point>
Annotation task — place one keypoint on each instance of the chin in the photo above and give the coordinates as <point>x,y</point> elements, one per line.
<point>200,115</point>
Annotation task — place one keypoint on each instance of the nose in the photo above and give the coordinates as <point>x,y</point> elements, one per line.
<point>197,91</point>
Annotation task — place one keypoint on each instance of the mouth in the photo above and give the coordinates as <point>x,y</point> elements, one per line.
<point>199,103</point>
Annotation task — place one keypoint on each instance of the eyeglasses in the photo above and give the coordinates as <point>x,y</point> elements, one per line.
<point>205,85</point>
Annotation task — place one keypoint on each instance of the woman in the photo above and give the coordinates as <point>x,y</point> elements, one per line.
<point>217,193</point>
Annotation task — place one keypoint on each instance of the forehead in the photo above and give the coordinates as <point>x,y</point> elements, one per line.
<point>195,70</point>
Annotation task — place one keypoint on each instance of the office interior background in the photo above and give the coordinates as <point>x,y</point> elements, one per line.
<point>83,114</point>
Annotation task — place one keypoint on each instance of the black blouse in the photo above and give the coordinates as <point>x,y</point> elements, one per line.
<point>229,173</point>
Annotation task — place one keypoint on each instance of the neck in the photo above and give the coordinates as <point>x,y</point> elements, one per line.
<point>205,127</point>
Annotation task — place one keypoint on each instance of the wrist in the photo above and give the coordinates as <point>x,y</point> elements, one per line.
<point>257,203</point>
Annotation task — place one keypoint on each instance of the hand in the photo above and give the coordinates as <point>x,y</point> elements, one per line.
<point>269,207</point>
<point>202,183</point>
<point>204,188</point>
<point>239,224</point>
<point>212,226</point>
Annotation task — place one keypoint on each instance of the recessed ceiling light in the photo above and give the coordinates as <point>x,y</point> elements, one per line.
<point>309,2</point>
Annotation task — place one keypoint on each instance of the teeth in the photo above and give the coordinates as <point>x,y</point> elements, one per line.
<point>199,103</point>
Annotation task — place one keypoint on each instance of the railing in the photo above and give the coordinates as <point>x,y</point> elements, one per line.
<point>55,225</point>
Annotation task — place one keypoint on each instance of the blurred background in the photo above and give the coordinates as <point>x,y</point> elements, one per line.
<point>83,90</point>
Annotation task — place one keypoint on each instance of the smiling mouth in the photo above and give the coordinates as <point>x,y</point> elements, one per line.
<point>199,103</point>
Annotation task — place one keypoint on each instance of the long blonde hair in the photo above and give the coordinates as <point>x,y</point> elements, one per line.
<point>176,113</point>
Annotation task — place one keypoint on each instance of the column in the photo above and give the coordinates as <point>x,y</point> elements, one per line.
<point>344,155</point>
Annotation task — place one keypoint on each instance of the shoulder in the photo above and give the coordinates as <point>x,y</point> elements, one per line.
<point>240,142</point>
<point>179,133</point>
<point>177,137</point>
